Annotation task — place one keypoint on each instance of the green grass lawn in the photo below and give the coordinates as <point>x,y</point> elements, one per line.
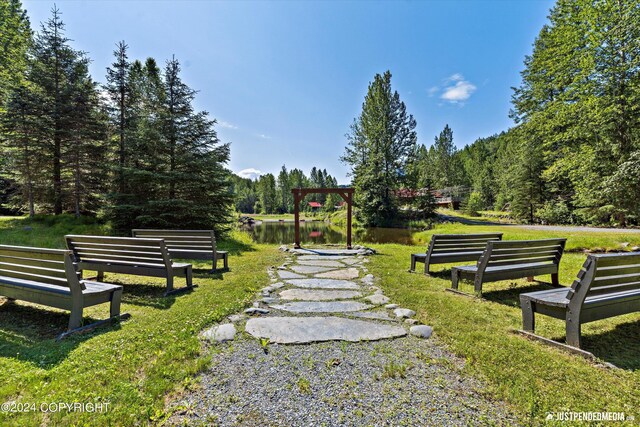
<point>534,378</point>
<point>133,366</point>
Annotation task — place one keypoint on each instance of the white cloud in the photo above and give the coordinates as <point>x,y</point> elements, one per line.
<point>227,125</point>
<point>457,89</point>
<point>250,173</point>
<point>433,90</point>
<point>263,136</point>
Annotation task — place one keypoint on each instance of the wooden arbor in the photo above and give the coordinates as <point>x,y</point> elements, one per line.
<point>298,195</point>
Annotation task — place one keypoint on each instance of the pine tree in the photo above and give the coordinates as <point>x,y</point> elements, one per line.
<point>15,39</point>
<point>379,145</point>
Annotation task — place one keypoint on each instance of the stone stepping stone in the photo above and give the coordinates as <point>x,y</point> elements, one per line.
<point>377,299</point>
<point>322,263</point>
<point>310,269</point>
<point>377,315</point>
<point>345,274</point>
<point>289,275</point>
<point>323,284</point>
<point>317,295</point>
<point>402,313</point>
<point>351,261</point>
<point>220,333</point>
<point>322,307</point>
<point>321,257</point>
<point>301,330</point>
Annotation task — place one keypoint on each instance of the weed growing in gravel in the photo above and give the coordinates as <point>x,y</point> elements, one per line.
<point>264,343</point>
<point>393,370</point>
<point>308,362</point>
<point>304,385</point>
<point>343,346</point>
<point>330,363</point>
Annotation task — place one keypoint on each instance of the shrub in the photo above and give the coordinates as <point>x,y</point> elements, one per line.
<point>554,212</point>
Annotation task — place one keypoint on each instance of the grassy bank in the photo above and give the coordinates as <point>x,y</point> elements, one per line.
<point>132,366</point>
<point>534,378</point>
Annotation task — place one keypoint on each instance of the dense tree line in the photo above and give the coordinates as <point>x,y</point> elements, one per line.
<point>574,154</point>
<point>134,150</point>
<point>272,195</point>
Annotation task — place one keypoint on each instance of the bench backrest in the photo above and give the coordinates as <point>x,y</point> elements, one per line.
<point>199,240</point>
<point>512,252</point>
<point>50,266</point>
<point>606,274</point>
<point>455,243</point>
<point>114,249</point>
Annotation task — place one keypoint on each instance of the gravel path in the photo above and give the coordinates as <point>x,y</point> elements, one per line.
<point>564,228</point>
<point>401,381</point>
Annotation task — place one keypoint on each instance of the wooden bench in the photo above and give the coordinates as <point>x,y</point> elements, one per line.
<point>49,277</point>
<point>189,244</point>
<point>512,259</point>
<point>608,285</point>
<point>126,255</point>
<point>449,248</point>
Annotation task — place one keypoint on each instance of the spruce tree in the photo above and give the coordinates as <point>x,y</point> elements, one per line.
<point>378,149</point>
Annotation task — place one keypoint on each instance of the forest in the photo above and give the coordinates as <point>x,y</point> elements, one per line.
<point>133,150</point>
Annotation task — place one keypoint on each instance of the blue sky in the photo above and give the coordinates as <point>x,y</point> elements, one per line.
<point>286,79</point>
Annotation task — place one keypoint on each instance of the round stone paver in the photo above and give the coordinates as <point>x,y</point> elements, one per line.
<point>317,295</point>
<point>300,330</point>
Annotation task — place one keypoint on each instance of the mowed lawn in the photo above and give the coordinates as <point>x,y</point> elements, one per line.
<point>133,366</point>
<point>536,379</point>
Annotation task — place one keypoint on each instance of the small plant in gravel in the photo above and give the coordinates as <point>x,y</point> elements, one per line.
<point>331,363</point>
<point>343,346</point>
<point>393,370</point>
<point>308,361</point>
<point>264,343</point>
<point>304,385</point>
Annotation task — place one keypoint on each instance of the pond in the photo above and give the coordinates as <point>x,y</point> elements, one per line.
<point>320,232</point>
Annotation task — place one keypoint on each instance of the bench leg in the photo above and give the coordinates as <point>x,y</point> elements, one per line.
<point>554,279</point>
<point>529,278</point>
<point>100,277</point>
<point>169,284</point>
<point>413,263</point>
<point>116,297</point>
<point>455,277</point>
<point>573,331</point>
<point>226,261</point>
<point>189,276</point>
<point>528,316</point>
<point>426,267</point>
<point>477,284</point>
<point>75,319</point>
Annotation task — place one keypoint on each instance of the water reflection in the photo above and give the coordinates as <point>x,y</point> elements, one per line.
<point>318,232</point>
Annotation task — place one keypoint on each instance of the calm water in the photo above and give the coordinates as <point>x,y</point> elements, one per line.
<point>319,232</point>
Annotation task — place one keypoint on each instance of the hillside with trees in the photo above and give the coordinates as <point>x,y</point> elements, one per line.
<point>134,150</point>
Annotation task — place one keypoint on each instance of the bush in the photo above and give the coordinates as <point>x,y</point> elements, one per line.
<point>474,204</point>
<point>554,212</point>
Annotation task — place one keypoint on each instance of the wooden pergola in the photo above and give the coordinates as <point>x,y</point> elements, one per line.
<point>298,195</point>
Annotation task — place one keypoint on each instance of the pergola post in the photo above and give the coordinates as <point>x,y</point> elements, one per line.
<point>298,196</point>
<point>296,214</point>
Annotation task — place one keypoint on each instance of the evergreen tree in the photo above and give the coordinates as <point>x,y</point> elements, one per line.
<point>15,39</point>
<point>379,145</point>
<point>118,88</point>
